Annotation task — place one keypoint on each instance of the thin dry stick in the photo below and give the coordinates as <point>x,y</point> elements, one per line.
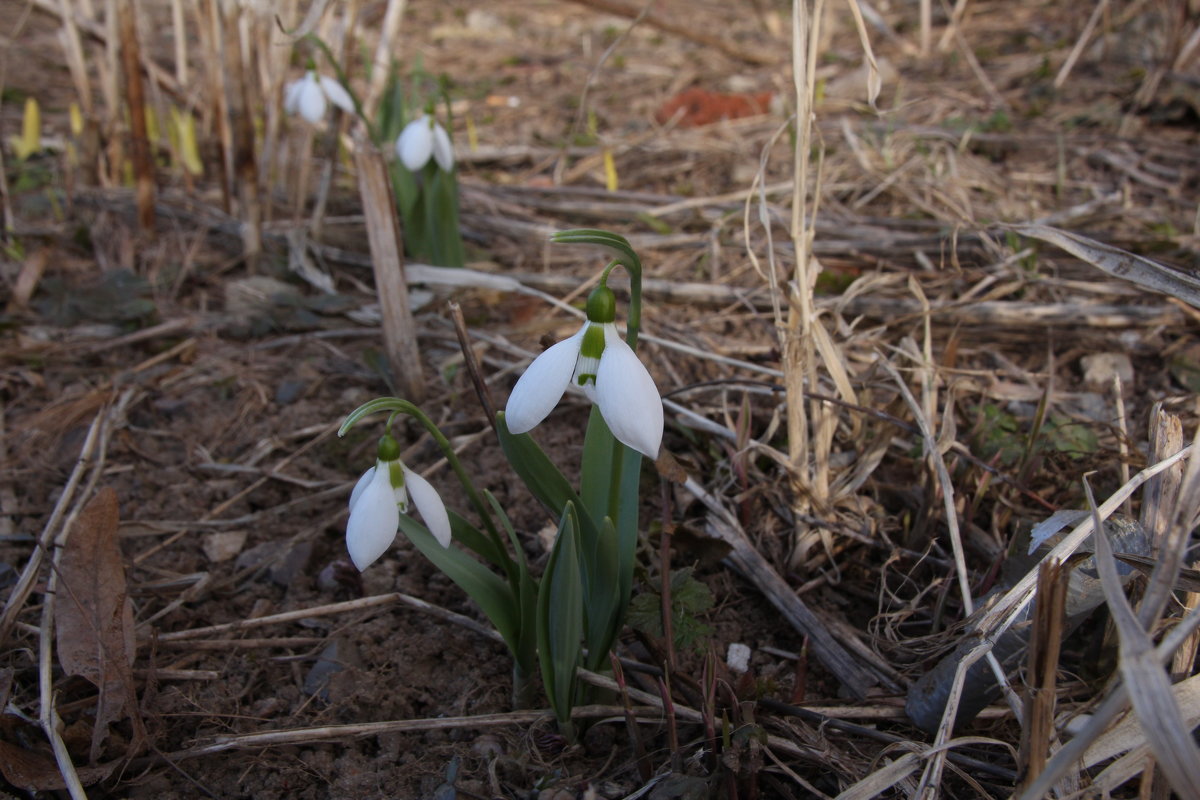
<point>329,733</point>
<point>334,608</point>
<point>926,12</point>
<point>1123,436</point>
<point>20,592</point>
<point>387,257</point>
<point>1065,71</point>
<point>384,53</point>
<point>956,18</point>
<point>482,392</point>
<point>179,35</point>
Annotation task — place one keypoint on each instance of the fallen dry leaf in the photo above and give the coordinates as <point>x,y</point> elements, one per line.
<point>94,617</point>
<point>35,772</point>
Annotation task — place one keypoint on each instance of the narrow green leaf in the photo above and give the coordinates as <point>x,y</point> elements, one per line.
<point>596,487</point>
<point>469,537</point>
<point>444,202</point>
<point>560,618</point>
<point>486,588</point>
<point>613,241</point>
<point>627,526</point>
<point>536,470</point>
<point>527,592</point>
<point>604,613</point>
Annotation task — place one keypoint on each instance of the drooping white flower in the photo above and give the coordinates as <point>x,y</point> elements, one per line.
<point>378,499</point>
<point>421,139</point>
<point>605,368</point>
<point>307,96</point>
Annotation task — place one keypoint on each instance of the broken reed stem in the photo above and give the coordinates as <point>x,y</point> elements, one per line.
<point>384,54</point>
<point>218,92</point>
<point>245,159</point>
<point>387,258</point>
<point>135,96</point>
<point>1045,646</point>
<point>795,333</point>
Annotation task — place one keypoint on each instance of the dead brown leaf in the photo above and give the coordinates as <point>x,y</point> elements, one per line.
<point>37,772</point>
<point>94,617</point>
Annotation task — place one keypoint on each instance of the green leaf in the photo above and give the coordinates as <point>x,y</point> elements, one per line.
<point>596,482</point>
<point>486,588</point>
<point>604,612</point>
<point>689,599</point>
<point>442,197</point>
<point>560,619</point>
<point>527,593</point>
<point>469,537</point>
<point>534,469</point>
<point>613,241</point>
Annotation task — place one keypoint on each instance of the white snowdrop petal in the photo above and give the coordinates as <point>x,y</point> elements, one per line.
<point>337,94</point>
<point>373,522</point>
<point>358,487</point>
<point>430,504</point>
<point>312,102</point>
<point>291,97</point>
<point>628,399</point>
<point>542,385</point>
<point>443,149</point>
<point>415,144</point>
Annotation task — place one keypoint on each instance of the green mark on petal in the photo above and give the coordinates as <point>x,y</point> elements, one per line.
<point>586,378</point>
<point>592,345</point>
<point>396,474</point>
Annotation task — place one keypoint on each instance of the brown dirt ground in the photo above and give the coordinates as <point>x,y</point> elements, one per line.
<point>226,438</point>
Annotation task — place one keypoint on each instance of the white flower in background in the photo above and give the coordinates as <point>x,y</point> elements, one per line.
<point>421,139</point>
<point>378,499</point>
<point>307,96</point>
<point>605,368</point>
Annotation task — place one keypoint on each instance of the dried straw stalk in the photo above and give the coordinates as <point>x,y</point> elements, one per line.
<point>387,257</point>
<point>135,97</point>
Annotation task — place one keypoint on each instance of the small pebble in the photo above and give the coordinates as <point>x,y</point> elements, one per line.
<point>1099,369</point>
<point>738,658</point>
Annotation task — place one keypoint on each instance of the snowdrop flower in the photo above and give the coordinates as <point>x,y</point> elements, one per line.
<point>601,364</point>
<point>307,96</point>
<point>378,499</point>
<point>422,138</point>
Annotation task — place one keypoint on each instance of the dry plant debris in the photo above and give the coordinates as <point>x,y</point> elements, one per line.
<point>999,300</point>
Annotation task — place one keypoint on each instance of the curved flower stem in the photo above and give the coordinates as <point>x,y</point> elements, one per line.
<point>397,406</point>
<point>626,257</point>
